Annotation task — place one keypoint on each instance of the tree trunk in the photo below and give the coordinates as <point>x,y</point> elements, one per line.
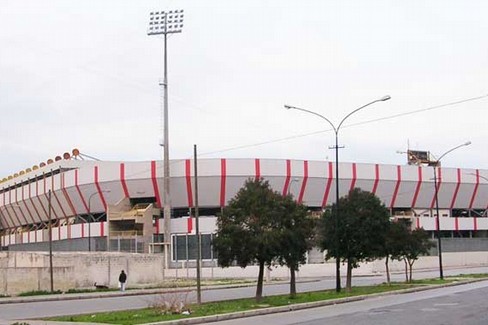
<point>293,286</point>
<point>406,269</point>
<point>410,269</point>
<point>259,288</point>
<point>388,280</point>
<point>349,276</point>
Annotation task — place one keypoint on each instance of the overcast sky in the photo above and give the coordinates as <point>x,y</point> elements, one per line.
<point>84,74</point>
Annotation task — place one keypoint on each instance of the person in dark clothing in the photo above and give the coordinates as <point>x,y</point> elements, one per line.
<point>122,280</point>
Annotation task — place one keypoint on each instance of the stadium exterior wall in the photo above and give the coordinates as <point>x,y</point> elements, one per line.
<point>81,187</point>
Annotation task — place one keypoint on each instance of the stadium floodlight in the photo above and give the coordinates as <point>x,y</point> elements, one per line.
<point>164,23</point>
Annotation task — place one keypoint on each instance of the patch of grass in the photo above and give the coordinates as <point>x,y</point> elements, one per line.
<point>149,315</point>
<point>38,293</point>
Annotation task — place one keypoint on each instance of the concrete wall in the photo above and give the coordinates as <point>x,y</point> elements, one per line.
<point>29,271</point>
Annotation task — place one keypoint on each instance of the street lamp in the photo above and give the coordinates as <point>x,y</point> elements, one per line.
<point>90,215</point>
<point>435,164</point>
<point>51,273</point>
<point>164,23</point>
<point>336,147</point>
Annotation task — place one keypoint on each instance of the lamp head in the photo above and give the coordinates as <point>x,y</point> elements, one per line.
<point>467,143</point>
<point>385,98</point>
<point>287,106</point>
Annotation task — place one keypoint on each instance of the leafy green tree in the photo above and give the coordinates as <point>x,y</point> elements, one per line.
<point>394,249</point>
<point>248,230</point>
<point>361,233</point>
<point>296,236</point>
<point>418,243</point>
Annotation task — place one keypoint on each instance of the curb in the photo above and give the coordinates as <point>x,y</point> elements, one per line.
<point>307,305</point>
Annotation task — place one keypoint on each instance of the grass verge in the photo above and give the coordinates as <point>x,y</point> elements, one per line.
<point>149,315</point>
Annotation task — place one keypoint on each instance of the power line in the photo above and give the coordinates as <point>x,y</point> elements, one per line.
<point>345,126</point>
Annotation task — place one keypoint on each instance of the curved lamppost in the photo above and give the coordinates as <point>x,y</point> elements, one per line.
<point>435,164</point>
<point>336,147</point>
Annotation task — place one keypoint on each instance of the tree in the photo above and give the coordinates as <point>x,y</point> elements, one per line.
<point>297,229</point>
<point>362,227</point>
<point>396,237</point>
<point>418,243</point>
<point>248,229</point>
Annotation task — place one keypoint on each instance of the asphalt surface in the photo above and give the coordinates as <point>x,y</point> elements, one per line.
<point>453,305</point>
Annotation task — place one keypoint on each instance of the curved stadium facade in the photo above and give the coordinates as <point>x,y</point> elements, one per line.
<point>98,205</point>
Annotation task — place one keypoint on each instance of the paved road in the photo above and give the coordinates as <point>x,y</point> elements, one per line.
<point>41,309</point>
<point>464,304</point>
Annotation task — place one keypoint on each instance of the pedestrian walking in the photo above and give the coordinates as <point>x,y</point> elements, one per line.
<point>122,280</point>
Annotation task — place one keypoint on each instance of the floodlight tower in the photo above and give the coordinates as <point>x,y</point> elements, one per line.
<point>164,23</point>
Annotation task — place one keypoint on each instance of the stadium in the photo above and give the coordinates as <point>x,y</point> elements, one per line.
<point>91,205</point>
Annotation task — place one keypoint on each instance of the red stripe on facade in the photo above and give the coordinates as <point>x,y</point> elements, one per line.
<point>99,189</point>
<point>475,191</point>
<point>354,177</point>
<point>32,202</point>
<point>304,183</point>
<point>66,194</point>
<point>39,198</point>
<point>223,177</point>
<point>397,186</point>
<point>5,219</point>
<point>328,186</point>
<point>46,194</point>
<point>83,230</point>
<point>14,222</point>
<point>439,182</point>
<point>20,207</point>
<point>122,180</point>
<point>257,167</point>
<point>102,229</point>
<point>475,223</point>
<point>288,177</point>
<point>376,178</point>
<point>27,207</point>
<point>417,188</point>
<point>155,184</point>
<point>189,225</point>
<point>189,191</point>
<point>79,192</point>
<point>59,203</point>
<point>157,225</point>
<point>3,204</point>
<point>456,190</point>
<point>456,224</point>
<point>417,221</point>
